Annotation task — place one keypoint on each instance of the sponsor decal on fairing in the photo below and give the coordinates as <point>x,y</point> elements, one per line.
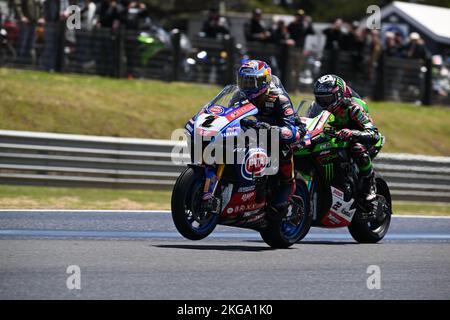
<point>247,196</point>
<point>218,110</point>
<point>340,214</point>
<point>256,161</point>
<point>247,189</point>
<point>239,112</point>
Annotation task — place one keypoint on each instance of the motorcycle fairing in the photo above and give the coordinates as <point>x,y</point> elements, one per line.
<point>243,200</point>
<point>340,213</point>
<point>221,118</point>
<point>336,212</point>
<point>226,123</point>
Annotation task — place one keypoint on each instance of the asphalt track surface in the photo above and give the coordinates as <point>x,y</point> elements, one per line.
<point>140,255</point>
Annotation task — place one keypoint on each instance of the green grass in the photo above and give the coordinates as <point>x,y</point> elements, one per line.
<point>25,197</point>
<point>38,101</point>
<point>421,208</point>
<point>413,129</point>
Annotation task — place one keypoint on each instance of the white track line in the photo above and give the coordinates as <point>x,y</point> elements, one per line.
<point>168,211</point>
<point>75,211</point>
<point>419,216</point>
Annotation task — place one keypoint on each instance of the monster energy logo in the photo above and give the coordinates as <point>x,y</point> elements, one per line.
<point>339,82</point>
<point>328,171</point>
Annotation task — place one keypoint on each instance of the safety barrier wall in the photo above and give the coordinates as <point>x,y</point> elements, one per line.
<point>30,158</point>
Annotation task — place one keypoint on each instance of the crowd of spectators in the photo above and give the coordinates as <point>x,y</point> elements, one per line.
<point>352,37</point>
<point>340,35</point>
<point>365,44</point>
<point>38,20</point>
<point>292,34</point>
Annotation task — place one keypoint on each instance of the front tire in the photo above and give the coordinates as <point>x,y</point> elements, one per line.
<point>190,222</point>
<point>283,233</point>
<point>374,231</point>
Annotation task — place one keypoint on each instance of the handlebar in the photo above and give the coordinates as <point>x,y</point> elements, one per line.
<point>326,134</point>
<point>248,123</point>
<point>257,124</point>
<point>329,131</point>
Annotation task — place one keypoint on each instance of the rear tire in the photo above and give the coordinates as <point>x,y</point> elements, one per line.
<point>283,233</point>
<point>373,232</point>
<point>190,222</point>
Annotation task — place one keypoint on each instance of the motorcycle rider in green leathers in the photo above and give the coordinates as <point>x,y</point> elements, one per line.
<point>354,124</point>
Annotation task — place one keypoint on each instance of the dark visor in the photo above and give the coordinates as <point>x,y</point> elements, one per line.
<point>326,100</point>
<point>250,82</point>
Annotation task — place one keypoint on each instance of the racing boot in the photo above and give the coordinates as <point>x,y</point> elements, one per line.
<point>368,186</point>
<point>347,188</point>
<point>286,188</point>
<point>279,208</point>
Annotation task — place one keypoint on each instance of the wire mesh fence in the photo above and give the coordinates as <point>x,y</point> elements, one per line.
<point>154,54</point>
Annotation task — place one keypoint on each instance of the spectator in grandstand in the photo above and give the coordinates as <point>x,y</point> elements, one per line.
<point>350,40</point>
<point>134,17</point>
<point>354,41</point>
<point>415,49</point>
<point>334,35</point>
<point>256,30</point>
<point>88,9</point>
<point>375,50</point>
<point>280,35</point>
<point>400,42</point>
<point>300,28</point>
<point>390,46</point>
<point>84,36</point>
<point>215,26</point>
<point>55,12</point>
<point>29,13</point>
<point>109,14</point>
<point>134,14</point>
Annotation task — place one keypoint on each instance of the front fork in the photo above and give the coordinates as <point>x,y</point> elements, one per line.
<point>212,179</point>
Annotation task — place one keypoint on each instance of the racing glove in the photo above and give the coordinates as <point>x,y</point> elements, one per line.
<point>264,125</point>
<point>252,122</point>
<point>347,134</point>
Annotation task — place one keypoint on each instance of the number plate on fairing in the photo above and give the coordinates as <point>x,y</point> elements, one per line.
<point>340,214</point>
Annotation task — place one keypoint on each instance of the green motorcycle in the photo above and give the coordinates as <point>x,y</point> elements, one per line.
<point>332,179</point>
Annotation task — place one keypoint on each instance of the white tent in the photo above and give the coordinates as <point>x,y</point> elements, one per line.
<point>431,21</point>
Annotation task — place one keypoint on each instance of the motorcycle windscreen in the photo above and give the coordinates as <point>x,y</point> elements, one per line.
<point>228,98</point>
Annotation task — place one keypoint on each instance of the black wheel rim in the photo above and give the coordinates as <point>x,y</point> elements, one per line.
<point>379,226</point>
<point>198,221</point>
<point>295,219</point>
